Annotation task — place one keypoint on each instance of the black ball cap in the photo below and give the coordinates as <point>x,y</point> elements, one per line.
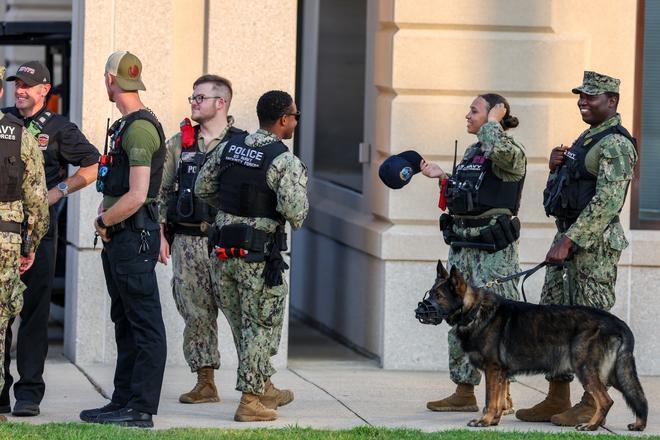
<point>397,170</point>
<point>31,73</point>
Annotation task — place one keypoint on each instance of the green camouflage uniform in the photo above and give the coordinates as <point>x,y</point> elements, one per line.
<point>591,270</point>
<point>191,281</point>
<point>34,206</point>
<point>479,266</point>
<point>255,311</point>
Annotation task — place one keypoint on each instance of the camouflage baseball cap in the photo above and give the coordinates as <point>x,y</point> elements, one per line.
<point>595,83</point>
<point>127,68</point>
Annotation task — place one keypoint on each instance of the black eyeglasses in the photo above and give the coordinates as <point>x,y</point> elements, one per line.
<point>200,98</point>
<point>295,115</point>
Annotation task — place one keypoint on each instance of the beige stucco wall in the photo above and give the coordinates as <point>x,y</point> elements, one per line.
<point>175,40</point>
<point>432,62</point>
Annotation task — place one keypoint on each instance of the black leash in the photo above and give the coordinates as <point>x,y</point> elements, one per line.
<point>525,274</point>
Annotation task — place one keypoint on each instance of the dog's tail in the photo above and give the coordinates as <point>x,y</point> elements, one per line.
<point>626,379</point>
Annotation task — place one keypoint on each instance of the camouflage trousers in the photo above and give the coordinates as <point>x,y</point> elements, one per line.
<point>590,277</point>
<point>255,313</point>
<point>479,267</point>
<point>195,301</point>
<point>590,281</point>
<point>11,292</point>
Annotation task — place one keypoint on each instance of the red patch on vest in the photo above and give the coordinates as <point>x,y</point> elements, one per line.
<point>187,133</point>
<point>133,71</point>
<point>42,140</point>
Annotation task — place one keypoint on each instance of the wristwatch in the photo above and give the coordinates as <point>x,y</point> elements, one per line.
<point>64,188</point>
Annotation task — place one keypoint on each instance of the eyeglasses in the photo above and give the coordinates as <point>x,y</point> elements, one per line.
<point>200,98</point>
<point>295,115</point>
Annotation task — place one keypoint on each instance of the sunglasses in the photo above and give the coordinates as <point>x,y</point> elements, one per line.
<point>295,115</point>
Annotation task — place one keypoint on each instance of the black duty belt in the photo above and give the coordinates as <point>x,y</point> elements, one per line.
<point>195,231</point>
<point>10,227</point>
<point>563,224</point>
<point>463,222</point>
<point>142,219</point>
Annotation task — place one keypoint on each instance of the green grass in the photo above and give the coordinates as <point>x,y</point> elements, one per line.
<point>78,431</point>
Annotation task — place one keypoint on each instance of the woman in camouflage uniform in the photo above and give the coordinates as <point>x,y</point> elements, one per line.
<point>494,169</point>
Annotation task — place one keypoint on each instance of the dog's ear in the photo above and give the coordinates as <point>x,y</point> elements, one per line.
<point>458,281</point>
<point>442,272</point>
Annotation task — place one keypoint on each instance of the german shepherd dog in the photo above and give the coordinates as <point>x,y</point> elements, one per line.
<point>506,338</point>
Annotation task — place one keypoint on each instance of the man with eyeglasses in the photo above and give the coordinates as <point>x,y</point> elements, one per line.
<point>184,222</point>
<point>257,185</point>
<point>62,144</point>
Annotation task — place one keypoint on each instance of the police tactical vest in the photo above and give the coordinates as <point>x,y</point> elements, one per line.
<point>115,181</point>
<point>574,186</point>
<point>45,127</point>
<point>243,187</point>
<point>182,204</point>
<point>12,167</point>
<point>474,188</point>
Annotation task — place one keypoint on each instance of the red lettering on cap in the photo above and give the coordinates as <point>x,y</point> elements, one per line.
<point>133,71</point>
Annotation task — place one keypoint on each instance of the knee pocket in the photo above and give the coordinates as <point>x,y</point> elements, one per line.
<point>137,278</point>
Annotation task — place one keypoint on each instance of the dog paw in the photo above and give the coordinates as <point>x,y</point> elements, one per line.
<point>481,423</point>
<point>636,427</point>
<point>586,427</point>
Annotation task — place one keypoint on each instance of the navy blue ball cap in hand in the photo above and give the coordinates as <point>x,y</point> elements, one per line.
<point>413,158</point>
<point>397,170</point>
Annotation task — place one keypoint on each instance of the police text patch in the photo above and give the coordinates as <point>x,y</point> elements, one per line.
<point>246,156</point>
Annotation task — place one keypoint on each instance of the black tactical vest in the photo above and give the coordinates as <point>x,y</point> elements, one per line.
<point>12,167</point>
<point>182,204</point>
<point>115,176</point>
<point>45,127</point>
<point>574,186</point>
<point>243,187</point>
<point>474,188</point>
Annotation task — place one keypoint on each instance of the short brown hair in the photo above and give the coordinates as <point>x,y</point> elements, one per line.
<point>221,84</point>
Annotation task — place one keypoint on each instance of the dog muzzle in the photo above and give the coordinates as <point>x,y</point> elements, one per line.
<point>429,311</point>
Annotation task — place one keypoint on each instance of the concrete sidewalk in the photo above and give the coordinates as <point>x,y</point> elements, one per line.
<point>334,389</point>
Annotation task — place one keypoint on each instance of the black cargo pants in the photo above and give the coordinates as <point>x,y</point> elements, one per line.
<point>129,260</point>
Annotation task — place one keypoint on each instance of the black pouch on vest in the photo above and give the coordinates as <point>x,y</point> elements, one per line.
<point>244,237</point>
<point>486,236</point>
<point>239,236</point>
<point>507,229</point>
<point>499,237</point>
<point>446,226</point>
<point>515,228</point>
<point>116,181</point>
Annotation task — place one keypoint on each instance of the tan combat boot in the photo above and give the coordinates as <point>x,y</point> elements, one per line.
<point>3,419</point>
<point>462,400</point>
<point>204,391</point>
<point>252,410</point>
<point>557,401</point>
<point>274,397</point>
<point>582,412</point>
